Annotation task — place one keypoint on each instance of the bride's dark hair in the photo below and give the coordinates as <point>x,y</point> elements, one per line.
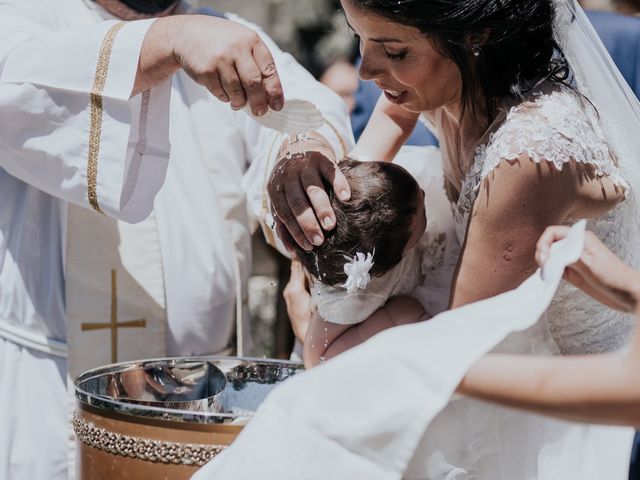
<point>515,36</point>
<point>379,216</point>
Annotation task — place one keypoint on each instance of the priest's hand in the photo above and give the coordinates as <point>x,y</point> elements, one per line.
<point>598,272</point>
<point>227,58</point>
<point>298,196</point>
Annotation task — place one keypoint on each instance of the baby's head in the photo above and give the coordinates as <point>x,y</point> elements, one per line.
<point>385,214</point>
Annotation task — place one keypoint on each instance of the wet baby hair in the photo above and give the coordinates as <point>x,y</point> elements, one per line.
<point>379,216</point>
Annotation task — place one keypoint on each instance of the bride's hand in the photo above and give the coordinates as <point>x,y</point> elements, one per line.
<point>298,300</point>
<point>598,272</point>
<point>298,196</point>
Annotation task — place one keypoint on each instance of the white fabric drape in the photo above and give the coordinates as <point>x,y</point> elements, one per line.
<point>364,414</point>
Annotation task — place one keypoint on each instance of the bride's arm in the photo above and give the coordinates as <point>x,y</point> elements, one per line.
<point>594,389</point>
<point>387,130</point>
<point>515,203</point>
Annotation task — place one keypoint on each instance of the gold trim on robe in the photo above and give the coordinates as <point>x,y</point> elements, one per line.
<point>95,129</point>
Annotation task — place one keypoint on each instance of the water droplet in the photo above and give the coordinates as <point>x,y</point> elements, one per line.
<point>317,264</point>
<point>273,283</point>
<point>323,359</point>
<point>287,138</point>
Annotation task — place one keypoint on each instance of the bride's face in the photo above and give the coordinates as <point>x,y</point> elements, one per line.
<point>403,62</point>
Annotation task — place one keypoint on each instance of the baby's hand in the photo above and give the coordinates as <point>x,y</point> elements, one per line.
<point>298,300</point>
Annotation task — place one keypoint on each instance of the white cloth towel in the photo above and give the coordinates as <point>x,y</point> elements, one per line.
<point>363,414</point>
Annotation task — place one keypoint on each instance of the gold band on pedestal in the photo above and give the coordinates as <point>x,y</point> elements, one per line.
<point>156,451</point>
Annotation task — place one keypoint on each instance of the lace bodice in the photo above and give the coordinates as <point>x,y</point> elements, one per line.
<point>558,127</point>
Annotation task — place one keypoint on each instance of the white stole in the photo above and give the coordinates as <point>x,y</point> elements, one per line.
<point>114,291</point>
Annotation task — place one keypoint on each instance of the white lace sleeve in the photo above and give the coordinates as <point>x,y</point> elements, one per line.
<point>556,127</point>
<point>559,127</point>
<point>335,305</point>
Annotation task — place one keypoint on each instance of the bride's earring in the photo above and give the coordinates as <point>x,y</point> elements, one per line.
<point>475,49</point>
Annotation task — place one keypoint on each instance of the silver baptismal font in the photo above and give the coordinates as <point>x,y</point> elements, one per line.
<point>165,418</point>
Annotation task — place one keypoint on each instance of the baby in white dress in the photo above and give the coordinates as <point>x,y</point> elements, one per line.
<point>373,256</point>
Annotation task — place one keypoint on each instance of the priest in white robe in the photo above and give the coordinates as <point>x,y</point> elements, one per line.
<point>81,160</point>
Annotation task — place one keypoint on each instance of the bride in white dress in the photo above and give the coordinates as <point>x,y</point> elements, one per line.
<point>560,126</point>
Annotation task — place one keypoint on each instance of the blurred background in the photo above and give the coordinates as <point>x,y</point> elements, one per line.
<point>312,30</point>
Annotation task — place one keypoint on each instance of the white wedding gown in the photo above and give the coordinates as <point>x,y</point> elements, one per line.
<point>470,439</point>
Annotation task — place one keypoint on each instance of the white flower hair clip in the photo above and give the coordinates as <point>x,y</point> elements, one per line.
<point>357,270</point>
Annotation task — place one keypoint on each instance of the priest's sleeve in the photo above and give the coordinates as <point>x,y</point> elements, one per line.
<point>69,126</point>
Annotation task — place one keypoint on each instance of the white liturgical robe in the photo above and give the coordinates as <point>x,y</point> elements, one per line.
<point>72,145</point>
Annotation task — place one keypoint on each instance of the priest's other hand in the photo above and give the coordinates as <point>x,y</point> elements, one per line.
<point>298,196</point>
<point>227,58</point>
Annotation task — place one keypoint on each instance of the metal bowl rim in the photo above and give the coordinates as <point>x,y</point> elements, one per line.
<point>175,415</point>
